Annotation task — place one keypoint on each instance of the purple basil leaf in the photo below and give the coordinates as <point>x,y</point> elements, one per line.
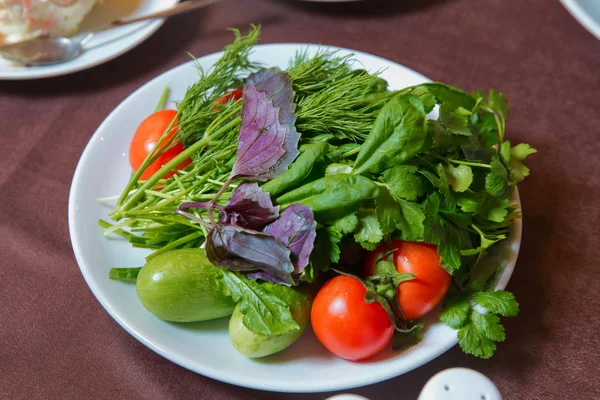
<point>240,249</point>
<point>249,207</point>
<point>268,140</point>
<point>296,229</point>
<point>278,87</point>
<point>265,277</point>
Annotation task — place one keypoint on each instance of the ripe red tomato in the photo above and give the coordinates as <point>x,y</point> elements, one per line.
<point>418,296</point>
<point>145,138</point>
<point>345,324</point>
<point>235,94</point>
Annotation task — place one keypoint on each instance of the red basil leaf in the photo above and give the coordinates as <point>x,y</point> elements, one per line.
<point>278,87</point>
<point>265,277</point>
<point>239,249</point>
<point>268,140</point>
<point>296,229</point>
<point>249,207</point>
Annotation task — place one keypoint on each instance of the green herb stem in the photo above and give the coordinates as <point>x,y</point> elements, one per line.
<point>176,243</point>
<point>124,274</point>
<point>117,231</point>
<point>469,163</point>
<point>162,100</point>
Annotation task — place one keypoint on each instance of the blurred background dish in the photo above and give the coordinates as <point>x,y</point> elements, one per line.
<point>586,12</point>
<point>25,19</point>
<point>22,20</point>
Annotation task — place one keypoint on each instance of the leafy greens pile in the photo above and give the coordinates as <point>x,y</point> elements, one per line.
<point>340,161</point>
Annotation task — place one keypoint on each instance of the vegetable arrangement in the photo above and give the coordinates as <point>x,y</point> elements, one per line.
<point>265,183</point>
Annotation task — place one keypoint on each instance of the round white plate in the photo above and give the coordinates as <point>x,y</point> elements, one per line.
<point>586,12</point>
<point>204,347</point>
<point>103,47</point>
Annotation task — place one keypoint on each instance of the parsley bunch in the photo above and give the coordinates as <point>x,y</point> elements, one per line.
<point>445,180</point>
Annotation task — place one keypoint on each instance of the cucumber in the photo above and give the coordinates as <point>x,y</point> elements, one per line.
<point>180,286</point>
<point>255,345</point>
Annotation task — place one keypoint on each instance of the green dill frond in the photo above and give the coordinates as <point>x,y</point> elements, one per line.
<point>343,108</point>
<point>197,110</point>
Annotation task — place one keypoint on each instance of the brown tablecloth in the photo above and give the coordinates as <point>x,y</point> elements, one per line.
<point>57,342</point>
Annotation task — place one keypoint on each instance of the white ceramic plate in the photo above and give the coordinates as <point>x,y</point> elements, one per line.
<point>586,12</point>
<point>204,347</point>
<point>103,47</point>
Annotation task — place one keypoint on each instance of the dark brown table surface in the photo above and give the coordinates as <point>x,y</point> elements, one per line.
<point>57,342</point>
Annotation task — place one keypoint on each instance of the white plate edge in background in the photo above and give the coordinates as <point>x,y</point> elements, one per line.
<point>120,41</point>
<point>583,17</point>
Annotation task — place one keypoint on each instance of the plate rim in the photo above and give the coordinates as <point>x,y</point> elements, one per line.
<point>583,17</point>
<point>274,386</point>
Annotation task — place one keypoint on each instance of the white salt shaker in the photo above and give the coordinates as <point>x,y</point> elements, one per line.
<point>450,384</point>
<point>459,384</point>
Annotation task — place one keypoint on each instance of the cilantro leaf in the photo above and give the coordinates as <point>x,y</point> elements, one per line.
<point>326,250</point>
<point>444,187</point>
<point>484,127</point>
<point>489,325</point>
<point>478,332</point>
<point>455,312</point>
<point>472,340</point>
<point>347,224</point>
<point>449,239</point>
<point>369,231</point>
<point>411,221</point>
<point>504,152</point>
<point>404,182</point>
<point>521,151</point>
<point>369,246</point>
<point>388,212</point>
<point>486,206</point>
<point>460,177</point>
<point>455,120</point>
<point>513,157</point>
<point>263,311</point>
<point>496,212</point>
<point>498,302</point>
<point>496,182</point>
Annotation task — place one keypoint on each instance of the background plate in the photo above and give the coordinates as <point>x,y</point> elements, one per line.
<point>103,47</point>
<point>306,366</point>
<point>586,12</point>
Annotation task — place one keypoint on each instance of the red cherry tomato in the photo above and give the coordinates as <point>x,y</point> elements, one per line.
<point>145,138</point>
<point>235,94</point>
<point>345,324</point>
<point>418,296</point>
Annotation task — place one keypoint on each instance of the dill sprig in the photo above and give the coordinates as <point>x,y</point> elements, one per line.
<point>311,74</point>
<point>340,108</point>
<point>197,109</point>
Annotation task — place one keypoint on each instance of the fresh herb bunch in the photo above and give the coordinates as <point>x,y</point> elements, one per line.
<point>210,132</point>
<point>427,163</point>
